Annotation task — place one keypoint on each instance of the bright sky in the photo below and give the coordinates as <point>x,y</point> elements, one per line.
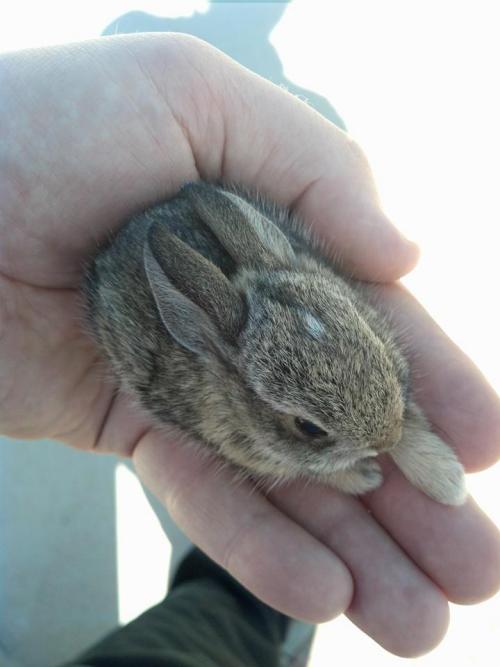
<point>417,83</point>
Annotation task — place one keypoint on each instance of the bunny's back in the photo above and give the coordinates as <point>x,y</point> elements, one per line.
<point>122,314</point>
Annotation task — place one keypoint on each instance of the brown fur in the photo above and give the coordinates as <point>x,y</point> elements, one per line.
<point>221,315</point>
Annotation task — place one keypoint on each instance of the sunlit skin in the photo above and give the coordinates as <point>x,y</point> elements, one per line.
<point>92,132</point>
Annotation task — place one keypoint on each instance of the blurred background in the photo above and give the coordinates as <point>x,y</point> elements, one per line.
<point>416,83</point>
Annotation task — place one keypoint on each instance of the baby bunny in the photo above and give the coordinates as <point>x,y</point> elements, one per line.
<point>220,315</point>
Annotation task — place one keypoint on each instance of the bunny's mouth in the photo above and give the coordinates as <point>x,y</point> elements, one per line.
<point>346,458</point>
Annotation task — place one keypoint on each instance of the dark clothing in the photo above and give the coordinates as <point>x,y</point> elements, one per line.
<point>207,620</point>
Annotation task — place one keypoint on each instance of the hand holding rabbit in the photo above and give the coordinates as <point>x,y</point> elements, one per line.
<point>220,314</point>
<point>149,113</point>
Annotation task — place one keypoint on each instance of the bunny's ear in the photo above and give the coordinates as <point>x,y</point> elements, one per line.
<point>247,235</point>
<point>199,307</point>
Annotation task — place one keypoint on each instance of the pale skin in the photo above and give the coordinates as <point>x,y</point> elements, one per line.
<point>95,131</point>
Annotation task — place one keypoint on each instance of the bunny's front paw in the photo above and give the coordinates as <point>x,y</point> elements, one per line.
<point>364,476</point>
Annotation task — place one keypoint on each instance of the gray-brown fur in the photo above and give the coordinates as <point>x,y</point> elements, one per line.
<point>220,314</point>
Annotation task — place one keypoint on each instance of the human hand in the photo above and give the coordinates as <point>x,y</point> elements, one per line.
<point>93,132</point>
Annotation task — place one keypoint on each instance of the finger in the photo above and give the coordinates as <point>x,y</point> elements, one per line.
<point>455,396</point>
<point>394,602</point>
<point>457,547</point>
<point>237,527</point>
<point>127,120</point>
<point>319,171</point>
<point>289,152</point>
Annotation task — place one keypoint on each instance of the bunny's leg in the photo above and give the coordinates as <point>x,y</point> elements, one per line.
<point>428,462</point>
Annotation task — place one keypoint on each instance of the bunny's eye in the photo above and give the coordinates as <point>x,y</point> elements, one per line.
<point>308,428</point>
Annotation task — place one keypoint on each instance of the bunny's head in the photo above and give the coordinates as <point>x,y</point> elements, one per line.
<point>302,384</point>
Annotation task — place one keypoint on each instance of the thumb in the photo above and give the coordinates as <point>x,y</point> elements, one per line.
<point>278,145</point>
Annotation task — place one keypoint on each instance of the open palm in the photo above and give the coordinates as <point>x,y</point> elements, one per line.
<point>94,132</point>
